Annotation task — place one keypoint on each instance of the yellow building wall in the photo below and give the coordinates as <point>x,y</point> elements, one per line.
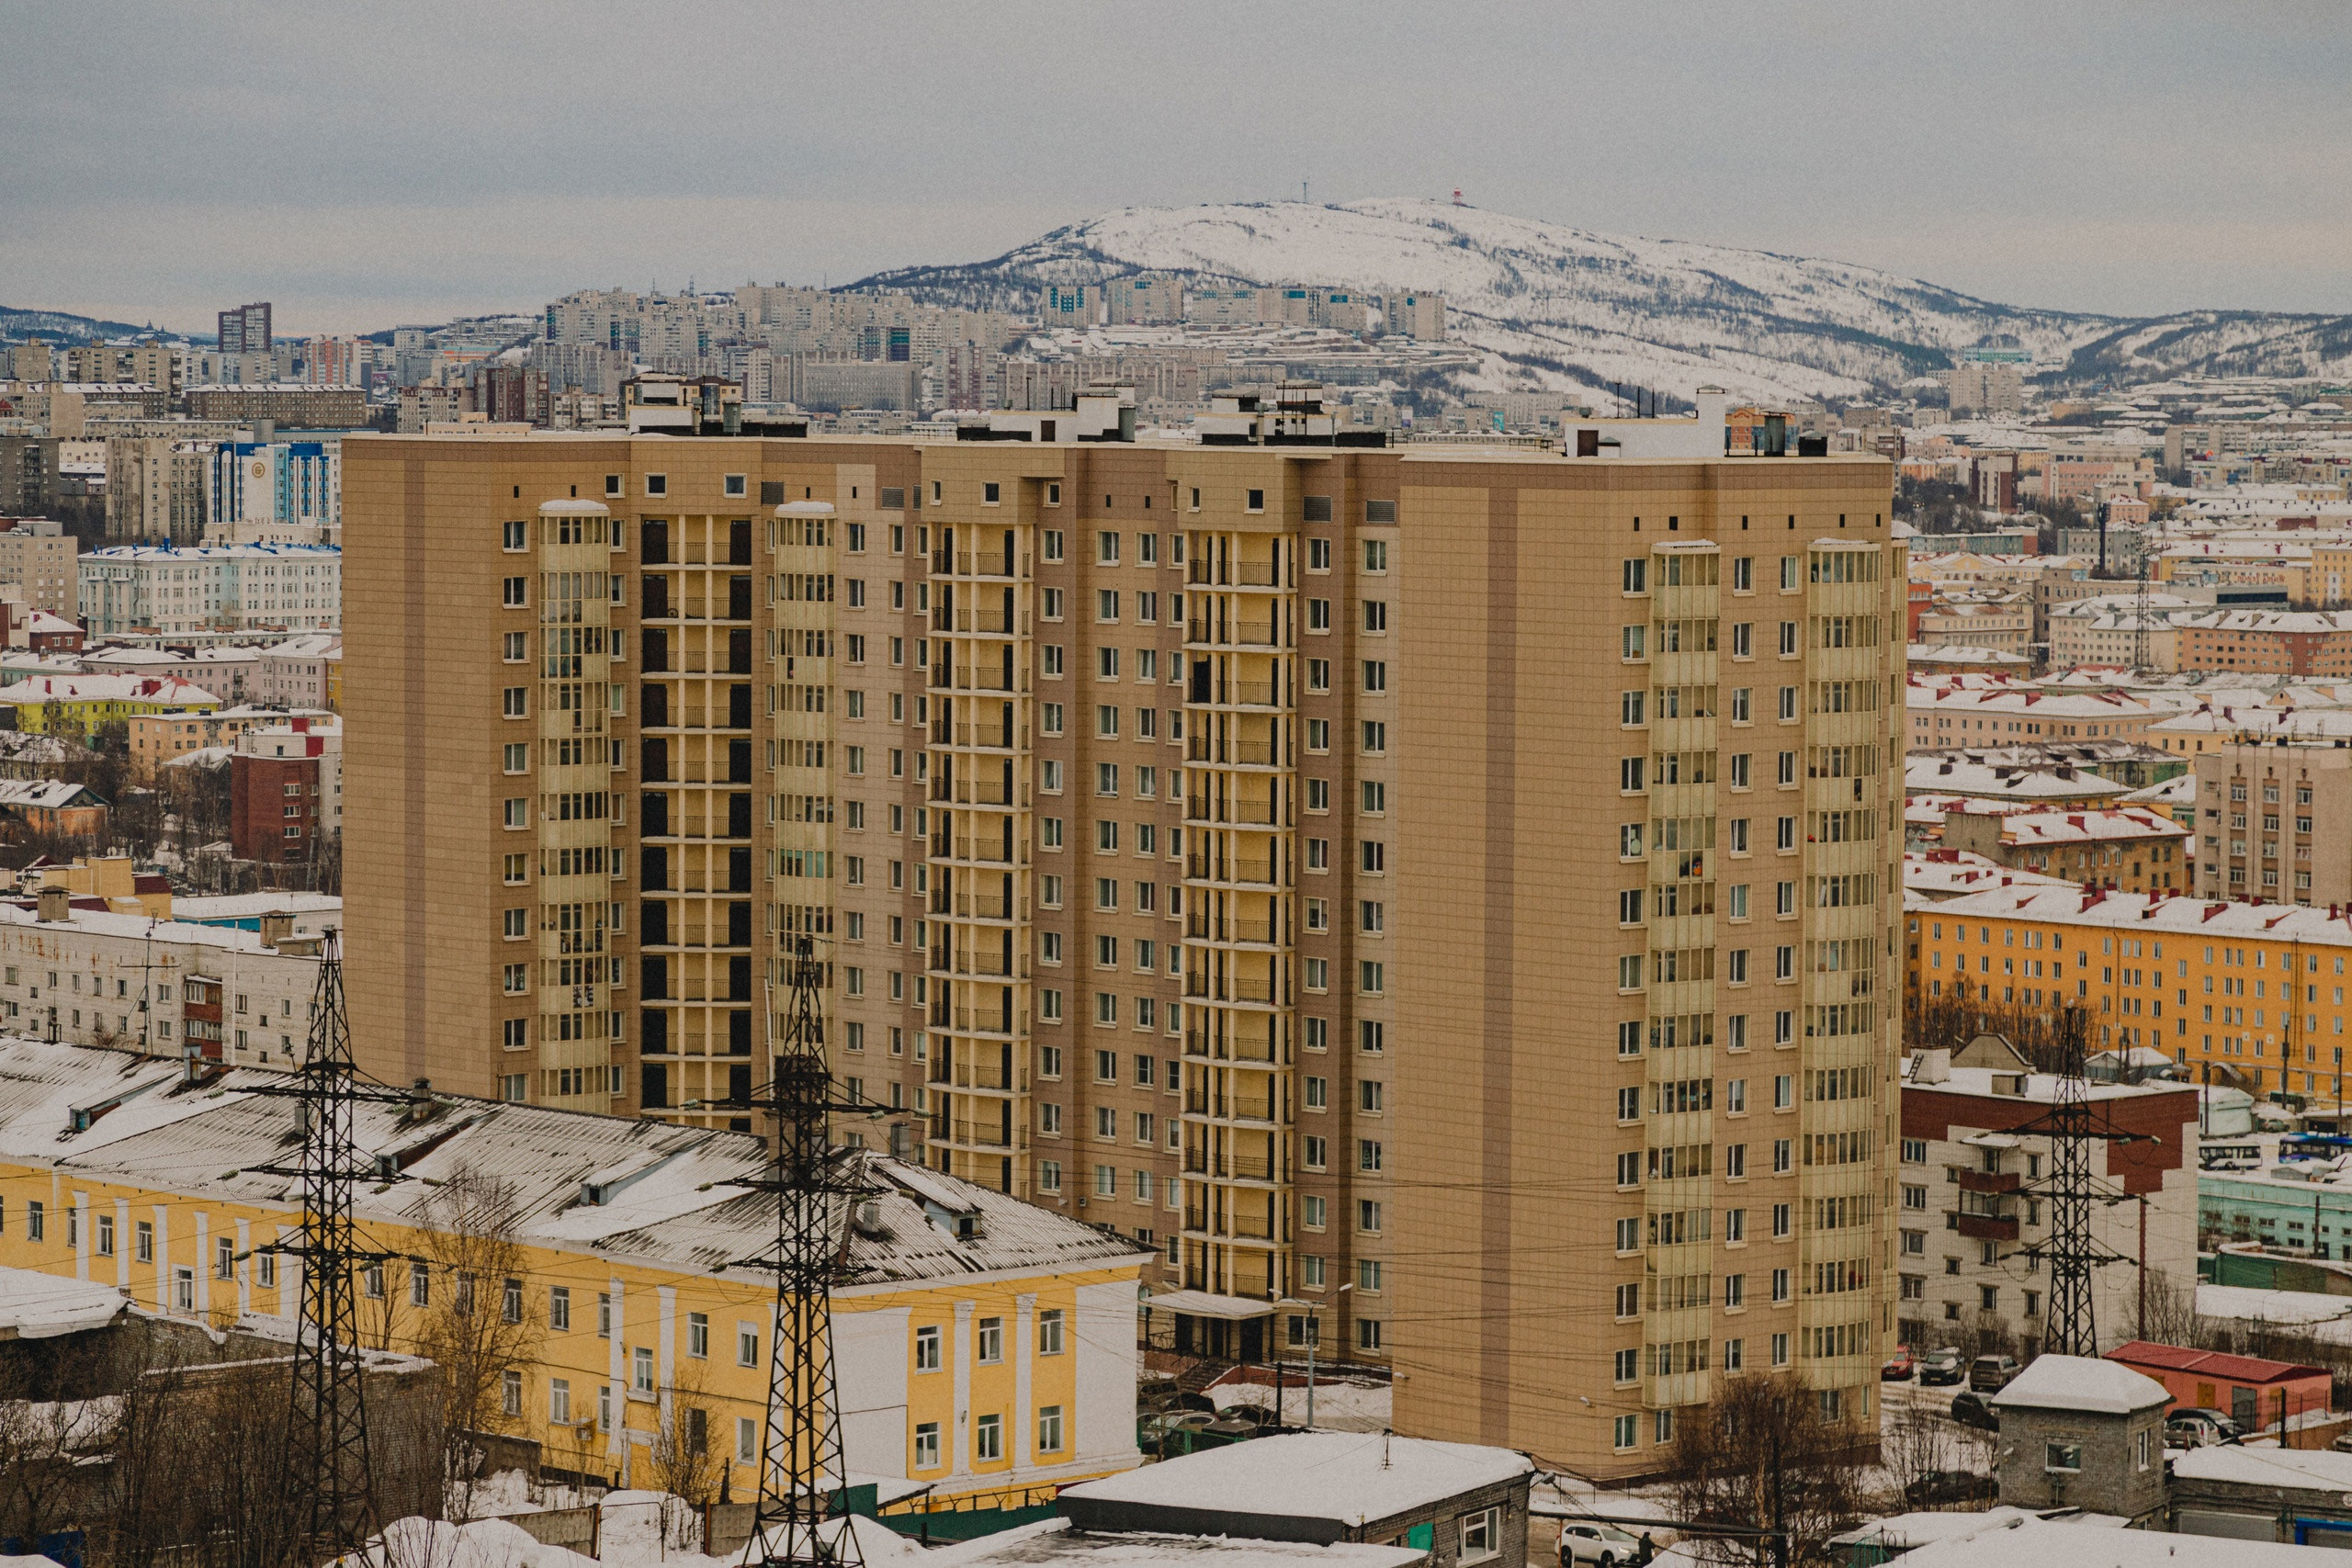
<point>80,1214</point>
<point>2272,1011</point>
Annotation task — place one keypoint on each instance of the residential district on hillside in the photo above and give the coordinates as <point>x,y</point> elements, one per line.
<point>1405,973</point>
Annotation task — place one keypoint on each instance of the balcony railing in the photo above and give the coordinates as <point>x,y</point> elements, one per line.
<point>1231,634</point>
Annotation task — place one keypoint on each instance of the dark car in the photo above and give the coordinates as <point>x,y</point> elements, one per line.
<point>1939,1487</point>
<point>1970,1410</point>
<point>1991,1374</point>
<point>1941,1367</point>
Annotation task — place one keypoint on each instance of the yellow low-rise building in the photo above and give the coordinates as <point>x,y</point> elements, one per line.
<point>158,738</point>
<point>2259,988</point>
<point>982,1347</point>
<point>78,705</point>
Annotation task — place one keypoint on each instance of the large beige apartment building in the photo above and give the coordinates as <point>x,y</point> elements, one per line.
<point>1464,878</point>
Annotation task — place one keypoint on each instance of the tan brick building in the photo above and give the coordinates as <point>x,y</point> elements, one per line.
<point>1221,843</point>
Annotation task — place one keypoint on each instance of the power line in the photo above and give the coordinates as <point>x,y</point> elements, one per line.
<point>795,1523</point>
<point>327,1472</point>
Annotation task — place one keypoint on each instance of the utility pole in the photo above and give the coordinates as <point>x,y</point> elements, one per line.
<point>814,1185</point>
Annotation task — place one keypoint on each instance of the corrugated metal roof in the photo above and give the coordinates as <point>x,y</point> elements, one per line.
<point>673,1198</point>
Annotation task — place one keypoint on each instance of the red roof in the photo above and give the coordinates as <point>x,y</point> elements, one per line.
<point>2211,1363</point>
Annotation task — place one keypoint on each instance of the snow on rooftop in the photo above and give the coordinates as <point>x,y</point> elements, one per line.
<point>2080,1542</point>
<point>2082,1383</point>
<point>1349,1477</point>
<point>2312,1467</point>
<point>1055,1541</point>
<point>144,1127</point>
<point>42,1306</point>
<point>2159,913</point>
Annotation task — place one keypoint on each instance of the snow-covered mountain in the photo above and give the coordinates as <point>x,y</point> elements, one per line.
<point>1559,307</point>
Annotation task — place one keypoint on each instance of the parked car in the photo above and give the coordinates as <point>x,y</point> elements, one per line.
<point>2207,1427</point>
<point>2188,1429</point>
<point>1900,1367</point>
<point>1970,1410</point>
<point>1991,1374</point>
<point>1939,1487</point>
<point>1939,1367</point>
<point>1603,1544</point>
<point>1153,1432</point>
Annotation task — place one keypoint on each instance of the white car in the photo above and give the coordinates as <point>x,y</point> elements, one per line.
<point>1602,1544</point>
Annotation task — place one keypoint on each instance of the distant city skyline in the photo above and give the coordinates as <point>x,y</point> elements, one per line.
<point>362,171</point>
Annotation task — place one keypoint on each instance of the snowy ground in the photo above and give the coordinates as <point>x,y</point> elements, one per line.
<point>1347,1404</point>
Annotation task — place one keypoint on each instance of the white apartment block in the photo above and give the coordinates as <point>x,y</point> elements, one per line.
<point>216,589</point>
<point>161,987</point>
<point>299,672</point>
<point>1973,1213</point>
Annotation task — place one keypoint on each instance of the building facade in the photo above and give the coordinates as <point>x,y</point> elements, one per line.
<point>275,492</point>
<point>980,1349</point>
<point>1085,762</point>
<point>285,789</point>
<point>245,329</point>
<point>2269,821</point>
<point>215,590</point>
<point>1975,1214</point>
<point>2255,992</point>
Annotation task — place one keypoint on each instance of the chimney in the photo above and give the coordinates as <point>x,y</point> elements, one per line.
<point>276,927</point>
<point>1931,1064</point>
<point>55,904</point>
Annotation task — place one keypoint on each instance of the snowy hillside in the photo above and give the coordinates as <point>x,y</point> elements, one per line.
<point>1562,307</point>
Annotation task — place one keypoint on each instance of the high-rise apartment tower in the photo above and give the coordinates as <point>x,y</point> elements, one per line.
<point>245,329</point>
<point>1463,876</point>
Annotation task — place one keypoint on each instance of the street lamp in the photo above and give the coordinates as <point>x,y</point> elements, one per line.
<point>1314,1334</point>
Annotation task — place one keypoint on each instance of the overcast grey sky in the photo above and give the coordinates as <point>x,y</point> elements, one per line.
<point>366,166</point>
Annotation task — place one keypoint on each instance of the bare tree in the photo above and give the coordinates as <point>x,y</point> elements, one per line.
<point>478,1325</point>
<point>42,1437</point>
<point>2171,1317</point>
<point>687,1463</point>
<point>1764,1455</point>
<point>1918,1442</point>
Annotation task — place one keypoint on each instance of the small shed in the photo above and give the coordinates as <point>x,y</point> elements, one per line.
<point>2260,1395</point>
<point>2303,1495</point>
<point>1461,1502</point>
<point>1056,1543</point>
<point>2078,1432</point>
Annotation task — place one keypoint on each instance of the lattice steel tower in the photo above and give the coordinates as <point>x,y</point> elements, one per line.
<point>2072,1327</point>
<point>326,1471</point>
<point>814,1183</point>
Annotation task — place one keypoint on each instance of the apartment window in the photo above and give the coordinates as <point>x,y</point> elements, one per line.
<point>988,1437</point>
<point>1049,1429</point>
<point>1050,1332</point>
<point>927,1349</point>
<point>747,1345</point>
<point>1481,1536</point>
<point>927,1446</point>
<point>989,1341</point>
<point>1375,614</point>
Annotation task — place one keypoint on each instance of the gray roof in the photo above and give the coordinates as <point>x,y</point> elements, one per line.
<point>668,1198</point>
